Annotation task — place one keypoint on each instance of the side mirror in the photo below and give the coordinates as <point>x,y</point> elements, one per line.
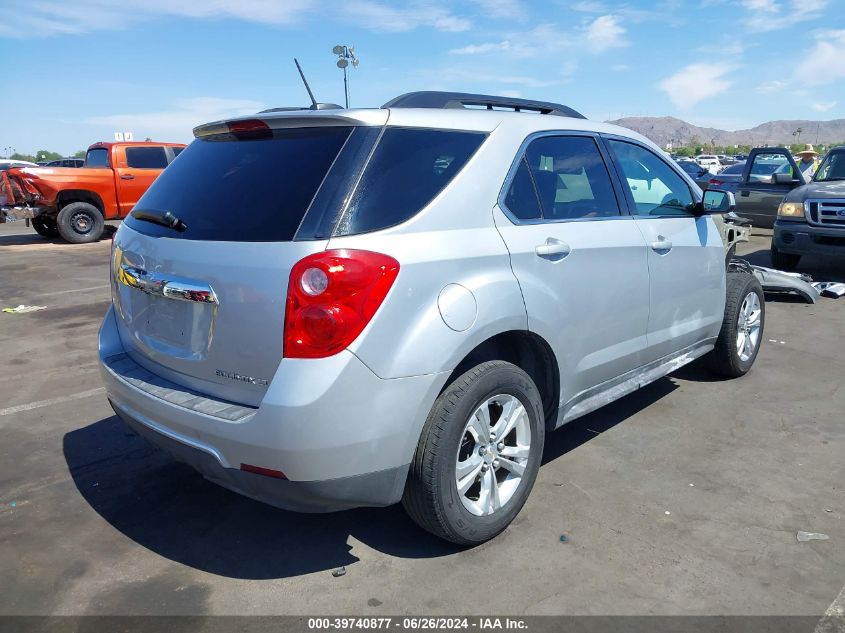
<point>781,179</point>
<point>716,202</point>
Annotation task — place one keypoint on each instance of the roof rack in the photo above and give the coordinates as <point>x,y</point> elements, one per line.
<point>460,100</point>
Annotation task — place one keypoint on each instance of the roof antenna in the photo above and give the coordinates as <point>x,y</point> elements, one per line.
<point>307,87</point>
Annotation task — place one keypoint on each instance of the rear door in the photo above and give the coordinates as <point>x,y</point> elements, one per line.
<point>580,262</point>
<point>686,259</point>
<point>205,307</point>
<point>757,195</point>
<point>139,167</point>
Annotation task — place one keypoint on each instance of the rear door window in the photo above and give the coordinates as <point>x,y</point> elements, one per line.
<point>409,167</point>
<point>571,178</point>
<point>252,190</point>
<point>146,157</point>
<point>98,157</point>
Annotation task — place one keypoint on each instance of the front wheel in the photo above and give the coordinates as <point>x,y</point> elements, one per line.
<point>742,327</point>
<point>478,455</point>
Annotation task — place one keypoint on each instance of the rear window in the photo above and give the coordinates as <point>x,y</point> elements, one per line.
<point>407,170</point>
<point>253,190</point>
<point>97,157</point>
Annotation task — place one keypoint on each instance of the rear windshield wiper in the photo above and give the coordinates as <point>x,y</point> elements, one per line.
<point>165,218</point>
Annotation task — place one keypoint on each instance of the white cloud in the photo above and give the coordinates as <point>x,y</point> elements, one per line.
<point>176,124</point>
<point>695,83</point>
<point>481,49</point>
<point>600,34</point>
<point>381,17</point>
<point>822,64</point>
<point>589,6</point>
<point>605,33</point>
<point>824,107</point>
<point>775,85</point>
<point>773,15</point>
<point>51,17</point>
<point>56,17</point>
<point>503,9</point>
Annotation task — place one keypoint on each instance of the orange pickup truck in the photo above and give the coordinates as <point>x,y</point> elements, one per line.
<point>75,203</point>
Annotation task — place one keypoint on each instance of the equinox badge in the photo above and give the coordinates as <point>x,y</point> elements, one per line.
<point>231,375</point>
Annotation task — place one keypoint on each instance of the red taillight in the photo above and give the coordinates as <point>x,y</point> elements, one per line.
<point>332,296</point>
<point>713,181</point>
<point>250,129</point>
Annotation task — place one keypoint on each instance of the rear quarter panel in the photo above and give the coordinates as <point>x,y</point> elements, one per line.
<point>453,240</point>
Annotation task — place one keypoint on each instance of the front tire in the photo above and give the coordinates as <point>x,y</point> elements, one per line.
<point>478,455</point>
<point>80,223</point>
<point>742,327</point>
<point>45,226</point>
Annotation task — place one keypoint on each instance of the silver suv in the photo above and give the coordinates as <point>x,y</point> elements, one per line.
<point>324,309</point>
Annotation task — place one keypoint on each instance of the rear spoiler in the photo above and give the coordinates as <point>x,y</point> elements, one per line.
<point>279,119</point>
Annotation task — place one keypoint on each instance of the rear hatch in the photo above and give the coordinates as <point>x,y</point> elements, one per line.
<point>204,307</point>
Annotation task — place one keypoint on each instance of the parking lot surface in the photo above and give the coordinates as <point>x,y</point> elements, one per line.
<point>683,498</point>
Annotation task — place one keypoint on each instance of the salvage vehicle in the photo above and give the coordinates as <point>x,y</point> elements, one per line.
<point>405,314</point>
<point>75,203</point>
<point>811,219</point>
<point>770,173</point>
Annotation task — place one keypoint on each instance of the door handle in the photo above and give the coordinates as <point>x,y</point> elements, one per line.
<point>661,245</point>
<point>127,177</point>
<point>553,250</point>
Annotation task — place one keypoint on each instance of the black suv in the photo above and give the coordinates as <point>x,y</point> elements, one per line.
<point>811,219</point>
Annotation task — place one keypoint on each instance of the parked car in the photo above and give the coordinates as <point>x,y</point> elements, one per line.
<point>404,315</point>
<point>75,203</point>
<point>727,179</point>
<point>709,161</point>
<point>66,162</point>
<point>8,163</point>
<point>741,157</point>
<point>811,218</point>
<point>769,174</point>
<point>701,175</point>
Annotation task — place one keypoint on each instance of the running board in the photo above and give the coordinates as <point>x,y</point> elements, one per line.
<point>605,393</point>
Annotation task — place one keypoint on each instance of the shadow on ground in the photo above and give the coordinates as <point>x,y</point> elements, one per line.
<point>168,508</point>
<point>22,239</point>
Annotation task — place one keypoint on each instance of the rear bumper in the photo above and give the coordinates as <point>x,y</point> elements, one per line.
<point>371,489</point>
<point>342,436</point>
<point>11,214</point>
<point>800,238</point>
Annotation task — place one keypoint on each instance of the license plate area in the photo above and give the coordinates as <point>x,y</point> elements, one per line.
<point>180,329</point>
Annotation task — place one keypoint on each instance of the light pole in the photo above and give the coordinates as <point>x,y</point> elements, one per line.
<point>345,55</point>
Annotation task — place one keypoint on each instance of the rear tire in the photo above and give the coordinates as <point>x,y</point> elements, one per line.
<point>45,226</point>
<point>742,327</point>
<point>784,261</point>
<point>80,223</point>
<point>496,475</point>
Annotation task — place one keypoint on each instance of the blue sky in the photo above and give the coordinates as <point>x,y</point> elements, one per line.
<point>78,71</point>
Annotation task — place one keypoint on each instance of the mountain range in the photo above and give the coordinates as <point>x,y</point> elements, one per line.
<point>667,129</point>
